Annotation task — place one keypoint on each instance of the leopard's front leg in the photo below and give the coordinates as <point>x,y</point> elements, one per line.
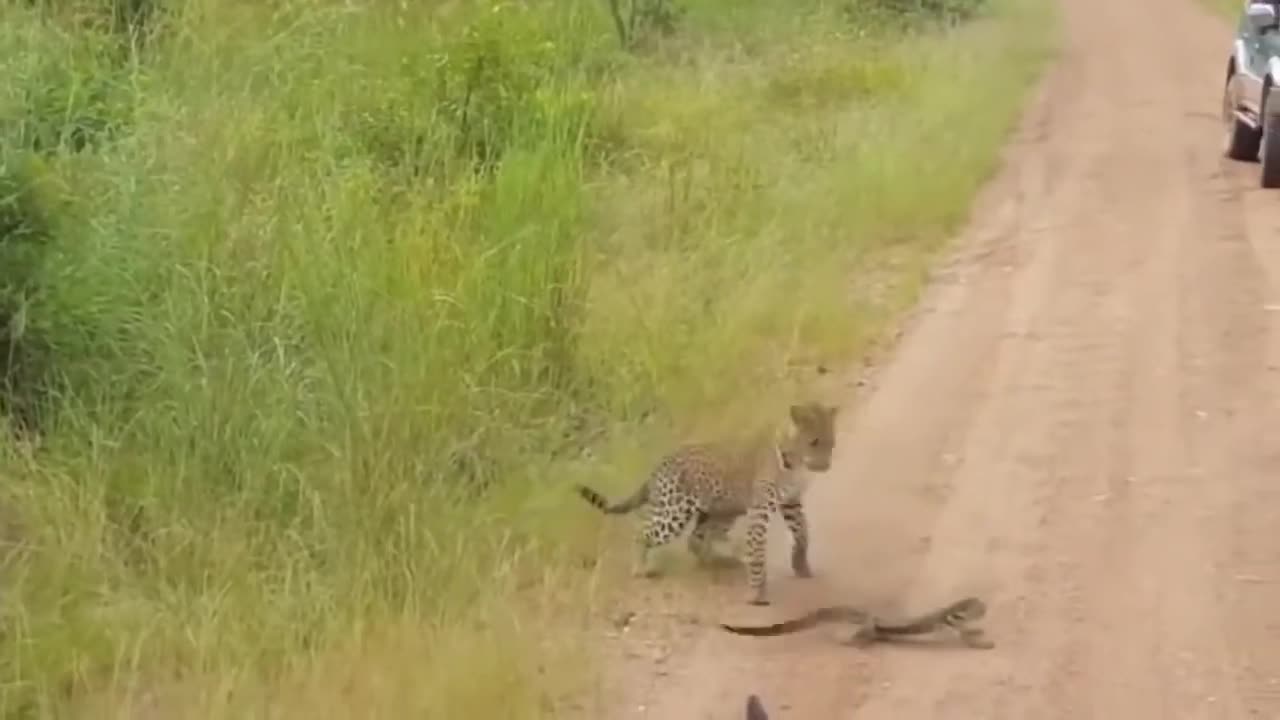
<point>793,514</point>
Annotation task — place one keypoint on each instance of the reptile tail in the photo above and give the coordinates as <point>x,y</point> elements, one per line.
<point>755,710</point>
<point>914,627</point>
<point>601,503</point>
<point>804,622</point>
<point>965,610</point>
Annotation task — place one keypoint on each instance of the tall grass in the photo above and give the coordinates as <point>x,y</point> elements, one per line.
<point>321,305</point>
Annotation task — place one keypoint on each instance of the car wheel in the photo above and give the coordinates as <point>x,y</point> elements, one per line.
<point>1271,155</point>
<point>1240,140</point>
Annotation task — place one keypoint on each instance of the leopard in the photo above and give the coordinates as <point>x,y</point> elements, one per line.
<point>712,484</point>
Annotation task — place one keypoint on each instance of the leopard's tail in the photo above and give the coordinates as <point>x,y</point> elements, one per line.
<point>601,503</point>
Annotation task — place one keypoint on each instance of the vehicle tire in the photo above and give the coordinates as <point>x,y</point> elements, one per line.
<point>1240,140</point>
<point>1270,154</point>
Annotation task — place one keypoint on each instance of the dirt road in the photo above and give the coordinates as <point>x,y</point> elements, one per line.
<point>1081,425</point>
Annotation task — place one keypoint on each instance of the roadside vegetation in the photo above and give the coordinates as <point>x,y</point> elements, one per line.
<point>1230,9</point>
<point>311,311</point>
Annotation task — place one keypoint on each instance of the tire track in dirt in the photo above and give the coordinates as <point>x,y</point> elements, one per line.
<point>1081,424</point>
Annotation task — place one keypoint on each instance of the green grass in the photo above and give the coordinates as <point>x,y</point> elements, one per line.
<point>1229,9</point>
<point>335,304</point>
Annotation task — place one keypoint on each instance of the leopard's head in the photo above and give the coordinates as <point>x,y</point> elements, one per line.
<point>813,436</point>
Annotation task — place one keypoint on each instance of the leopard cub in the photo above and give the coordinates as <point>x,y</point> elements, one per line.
<point>712,484</point>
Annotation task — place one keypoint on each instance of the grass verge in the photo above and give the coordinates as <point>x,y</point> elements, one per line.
<point>1229,9</point>
<point>326,307</point>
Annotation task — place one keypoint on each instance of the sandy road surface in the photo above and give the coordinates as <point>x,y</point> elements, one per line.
<point>1081,425</point>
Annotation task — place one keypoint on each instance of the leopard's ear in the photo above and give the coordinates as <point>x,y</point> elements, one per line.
<point>755,710</point>
<point>802,415</point>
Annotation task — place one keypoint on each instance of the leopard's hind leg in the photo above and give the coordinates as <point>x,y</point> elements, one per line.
<point>707,530</point>
<point>668,517</point>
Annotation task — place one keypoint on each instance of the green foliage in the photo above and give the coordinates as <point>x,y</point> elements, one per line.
<point>25,230</point>
<point>62,88</point>
<point>914,13</point>
<point>1228,9</point>
<point>634,21</point>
